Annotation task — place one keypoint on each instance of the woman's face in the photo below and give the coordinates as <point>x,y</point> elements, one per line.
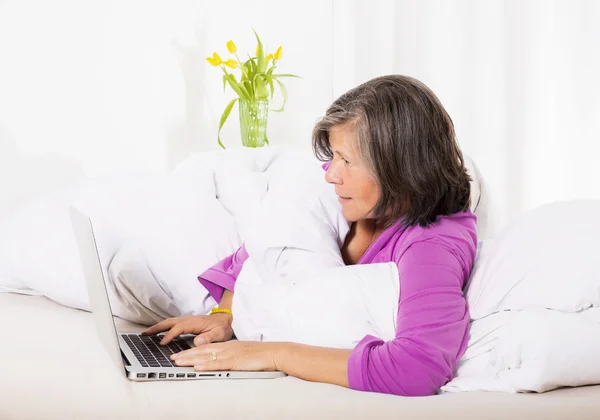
<point>357,191</point>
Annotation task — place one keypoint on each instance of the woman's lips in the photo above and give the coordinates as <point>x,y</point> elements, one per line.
<point>343,199</point>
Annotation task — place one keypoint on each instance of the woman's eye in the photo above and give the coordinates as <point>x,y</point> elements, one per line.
<point>345,161</point>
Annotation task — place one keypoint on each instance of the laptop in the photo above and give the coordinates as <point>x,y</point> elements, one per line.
<point>139,357</point>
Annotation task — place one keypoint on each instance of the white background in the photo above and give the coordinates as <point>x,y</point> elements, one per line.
<point>99,87</point>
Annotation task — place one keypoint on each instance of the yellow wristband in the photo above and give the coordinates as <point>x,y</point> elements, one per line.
<point>220,311</point>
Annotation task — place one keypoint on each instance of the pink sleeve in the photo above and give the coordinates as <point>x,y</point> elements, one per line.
<point>432,328</point>
<point>223,274</point>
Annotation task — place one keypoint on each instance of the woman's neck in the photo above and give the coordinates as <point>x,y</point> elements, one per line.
<point>368,228</point>
<point>361,236</point>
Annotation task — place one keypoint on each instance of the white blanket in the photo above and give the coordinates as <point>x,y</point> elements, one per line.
<point>295,285</point>
<point>332,307</point>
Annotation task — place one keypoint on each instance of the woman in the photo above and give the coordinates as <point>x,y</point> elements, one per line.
<point>392,156</point>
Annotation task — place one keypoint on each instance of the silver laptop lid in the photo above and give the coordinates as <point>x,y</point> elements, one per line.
<point>94,277</point>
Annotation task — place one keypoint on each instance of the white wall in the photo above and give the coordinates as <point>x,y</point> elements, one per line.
<point>124,84</point>
<point>98,86</point>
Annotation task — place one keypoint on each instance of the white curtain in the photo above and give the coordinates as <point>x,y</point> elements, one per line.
<point>520,78</point>
<point>100,86</point>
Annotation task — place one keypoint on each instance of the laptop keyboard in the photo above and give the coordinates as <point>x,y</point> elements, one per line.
<point>148,351</point>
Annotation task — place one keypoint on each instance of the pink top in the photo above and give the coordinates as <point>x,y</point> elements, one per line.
<point>433,319</point>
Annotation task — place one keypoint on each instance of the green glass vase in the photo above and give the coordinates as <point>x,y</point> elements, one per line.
<point>253,122</point>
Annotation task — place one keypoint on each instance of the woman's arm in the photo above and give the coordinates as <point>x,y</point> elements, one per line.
<point>315,364</point>
<point>432,328</point>
<point>226,300</point>
<point>431,333</point>
<point>431,336</point>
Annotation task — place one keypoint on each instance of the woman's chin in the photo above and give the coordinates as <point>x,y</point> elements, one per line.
<point>349,215</point>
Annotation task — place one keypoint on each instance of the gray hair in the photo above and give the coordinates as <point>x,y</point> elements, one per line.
<point>407,141</point>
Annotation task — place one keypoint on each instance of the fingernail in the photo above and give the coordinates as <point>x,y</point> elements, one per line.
<point>162,342</point>
<point>199,340</point>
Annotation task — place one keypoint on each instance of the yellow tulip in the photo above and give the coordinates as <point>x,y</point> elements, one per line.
<point>215,60</point>
<point>269,57</point>
<point>231,63</point>
<point>278,53</point>
<point>231,47</point>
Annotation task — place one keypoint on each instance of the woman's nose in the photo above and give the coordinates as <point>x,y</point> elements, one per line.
<point>332,176</point>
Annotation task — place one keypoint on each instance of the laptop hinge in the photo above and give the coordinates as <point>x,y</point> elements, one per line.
<point>125,360</point>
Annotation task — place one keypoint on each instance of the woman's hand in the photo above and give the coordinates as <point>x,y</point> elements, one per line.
<point>233,355</point>
<point>211,328</point>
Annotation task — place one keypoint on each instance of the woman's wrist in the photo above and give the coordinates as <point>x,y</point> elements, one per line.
<point>279,354</point>
<point>226,300</point>
<point>225,316</point>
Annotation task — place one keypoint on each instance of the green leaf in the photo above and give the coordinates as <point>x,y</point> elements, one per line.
<point>224,82</point>
<point>250,66</point>
<point>270,81</point>
<point>266,139</point>
<point>224,118</point>
<point>260,87</point>
<point>244,90</point>
<point>234,85</point>
<point>243,68</point>
<point>287,75</point>
<point>248,88</point>
<point>285,96</point>
<point>262,62</point>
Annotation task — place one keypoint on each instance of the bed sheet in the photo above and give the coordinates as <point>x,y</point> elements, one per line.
<point>52,366</point>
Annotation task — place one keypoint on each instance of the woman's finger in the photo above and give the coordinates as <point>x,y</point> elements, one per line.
<point>175,331</point>
<point>191,360</point>
<point>206,349</point>
<point>209,360</point>
<point>189,354</point>
<point>208,337</point>
<point>161,326</point>
<point>221,361</point>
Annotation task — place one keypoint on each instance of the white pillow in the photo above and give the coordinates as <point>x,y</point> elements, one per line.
<point>174,220</point>
<point>530,350</point>
<point>545,259</point>
<point>191,238</point>
<point>134,292</point>
<point>480,200</point>
<point>38,253</point>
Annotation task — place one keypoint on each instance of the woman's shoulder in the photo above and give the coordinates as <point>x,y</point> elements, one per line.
<point>455,234</point>
<point>454,226</point>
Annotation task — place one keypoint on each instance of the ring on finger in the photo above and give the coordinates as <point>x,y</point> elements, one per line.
<point>214,356</point>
